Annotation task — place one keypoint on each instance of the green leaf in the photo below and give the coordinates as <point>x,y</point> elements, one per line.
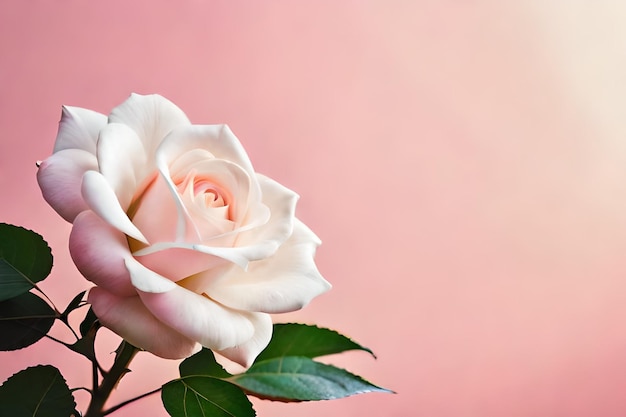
<point>39,391</point>
<point>24,320</point>
<point>202,363</point>
<point>296,378</point>
<point>25,259</point>
<point>199,396</point>
<point>295,339</point>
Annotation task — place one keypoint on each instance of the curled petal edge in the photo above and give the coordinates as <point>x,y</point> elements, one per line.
<point>60,178</point>
<point>146,280</point>
<point>245,353</point>
<point>102,200</point>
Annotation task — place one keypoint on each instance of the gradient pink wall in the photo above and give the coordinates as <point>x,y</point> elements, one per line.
<point>464,163</point>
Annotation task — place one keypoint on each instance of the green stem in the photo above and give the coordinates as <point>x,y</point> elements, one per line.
<point>125,353</point>
<point>132,400</point>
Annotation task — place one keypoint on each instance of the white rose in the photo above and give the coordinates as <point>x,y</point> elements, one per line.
<point>186,243</point>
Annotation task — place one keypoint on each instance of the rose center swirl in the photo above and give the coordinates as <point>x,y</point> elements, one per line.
<point>203,191</point>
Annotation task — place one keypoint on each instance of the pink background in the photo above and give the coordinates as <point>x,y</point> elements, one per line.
<point>464,163</point>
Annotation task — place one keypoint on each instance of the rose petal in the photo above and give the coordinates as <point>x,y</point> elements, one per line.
<point>237,256</point>
<point>246,353</point>
<point>152,117</point>
<point>99,250</point>
<point>180,165</point>
<point>198,282</point>
<point>147,280</point>
<point>155,212</point>
<point>195,316</point>
<point>78,129</point>
<point>121,159</point>
<point>127,317</point>
<point>101,198</point>
<point>219,140</point>
<point>263,241</point>
<point>177,264</point>
<point>284,282</point>
<point>60,177</point>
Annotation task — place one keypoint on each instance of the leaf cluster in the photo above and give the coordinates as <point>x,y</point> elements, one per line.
<point>25,318</point>
<point>285,371</point>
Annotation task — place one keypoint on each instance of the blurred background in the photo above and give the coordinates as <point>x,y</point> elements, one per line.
<point>464,163</point>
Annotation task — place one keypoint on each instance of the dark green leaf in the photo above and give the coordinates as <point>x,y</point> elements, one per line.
<point>90,322</point>
<point>296,378</point>
<point>39,391</point>
<point>295,339</point>
<point>25,259</point>
<point>73,305</point>
<point>202,363</point>
<point>24,320</point>
<point>198,396</point>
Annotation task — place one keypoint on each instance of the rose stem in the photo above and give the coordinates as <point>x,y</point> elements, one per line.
<point>132,400</point>
<point>126,353</point>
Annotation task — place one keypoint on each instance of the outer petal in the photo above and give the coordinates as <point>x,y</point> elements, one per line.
<point>152,117</point>
<point>99,251</point>
<point>60,178</point>
<point>193,315</point>
<point>284,282</point>
<point>101,198</point>
<point>199,318</point>
<point>246,353</point>
<point>78,129</point>
<point>130,319</point>
<point>121,159</point>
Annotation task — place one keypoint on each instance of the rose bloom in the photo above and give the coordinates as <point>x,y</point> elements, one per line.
<point>186,243</point>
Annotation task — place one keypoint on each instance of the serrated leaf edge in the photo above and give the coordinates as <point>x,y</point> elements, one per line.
<point>57,375</point>
<point>375,387</point>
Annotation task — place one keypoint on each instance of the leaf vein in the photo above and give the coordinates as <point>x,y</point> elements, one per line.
<point>41,400</point>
